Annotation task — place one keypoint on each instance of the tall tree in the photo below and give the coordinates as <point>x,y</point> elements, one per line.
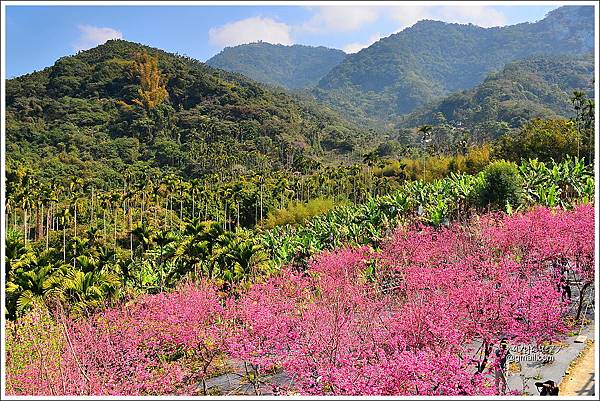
<point>152,91</point>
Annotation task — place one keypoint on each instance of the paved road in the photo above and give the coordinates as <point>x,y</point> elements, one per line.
<point>235,384</point>
<point>539,370</point>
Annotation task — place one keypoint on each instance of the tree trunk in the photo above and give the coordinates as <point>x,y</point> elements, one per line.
<point>92,214</point>
<point>167,212</point>
<point>130,236</point>
<point>75,209</point>
<point>47,228</point>
<point>143,208</point>
<point>261,203</point>
<point>581,299</point>
<point>115,235</point>
<point>160,263</point>
<point>64,242</point>
<point>39,228</point>
<point>25,225</point>
<point>486,353</point>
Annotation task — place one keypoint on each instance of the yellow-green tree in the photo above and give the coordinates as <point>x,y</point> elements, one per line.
<point>152,91</point>
<point>540,139</point>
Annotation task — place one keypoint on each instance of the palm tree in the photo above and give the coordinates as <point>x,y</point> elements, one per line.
<point>105,203</point>
<point>105,255</point>
<point>14,250</point>
<point>144,237</point>
<point>79,246</point>
<point>49,197</point>
<point>247,259</point>
<point>74,187</point>
<point>163,239</point>
<point>64,216</point>
<point>114,200</point>
<point>26,200</point>
<point>93,235</point>
<point>32,284</point>
<point>588,118</point>
<point>578,100</point>
<point>86,291</point>
<point>426,131</point>
<point>191,253</point>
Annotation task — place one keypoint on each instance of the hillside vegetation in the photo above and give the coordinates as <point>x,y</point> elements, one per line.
<point>420,64</point>
<point>291,67</point>
<point>120,104</point>
<point>536,87</point>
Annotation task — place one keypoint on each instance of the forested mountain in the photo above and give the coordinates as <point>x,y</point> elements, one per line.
<point>538,86</point>
<point>93,114</point>
<point>292,67</point>
<point>420,64</point>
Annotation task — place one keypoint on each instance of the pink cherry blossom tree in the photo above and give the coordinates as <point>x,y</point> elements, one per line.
<point>421,316</point>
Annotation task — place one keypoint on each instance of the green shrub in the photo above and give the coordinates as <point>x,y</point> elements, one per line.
<point>502,185</point>
<point>297,212</point>
<point>544,140</point>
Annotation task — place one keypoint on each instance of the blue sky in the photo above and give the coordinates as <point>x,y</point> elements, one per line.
<point>38,35</point>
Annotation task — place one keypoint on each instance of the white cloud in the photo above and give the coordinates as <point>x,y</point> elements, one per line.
<point>92,36</point>
<point>484,16</point>
<point>356,47</point>
<point>340,18</point>
<point>250,30</point>
<point>409,15</point>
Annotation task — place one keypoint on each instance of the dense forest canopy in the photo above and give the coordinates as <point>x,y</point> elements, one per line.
<point>291,67</point>
<point>397,74</point>
<point>535,87</point>
<point>93,114</point>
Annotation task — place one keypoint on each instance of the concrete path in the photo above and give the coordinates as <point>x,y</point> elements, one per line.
<point>236,383</point>
<point>551,366</point>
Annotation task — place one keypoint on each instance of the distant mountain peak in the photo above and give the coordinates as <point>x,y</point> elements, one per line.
<point>538,86</point>
<point>432,59</point>
<point>262,43</point>
<point>292,67</point>
<point>571,12</point>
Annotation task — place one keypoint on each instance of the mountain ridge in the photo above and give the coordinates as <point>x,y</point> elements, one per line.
<point>431,59</point>
<point>82,117</point>
<point>292,67</point>
<point>535,87</point>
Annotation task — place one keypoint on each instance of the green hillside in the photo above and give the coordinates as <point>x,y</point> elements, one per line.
<point>292,67</point>
<point>536,87</point>
<point>85,116</point>
<point>431,59</point>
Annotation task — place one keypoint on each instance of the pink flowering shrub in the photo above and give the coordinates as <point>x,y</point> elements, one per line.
<point>34,348</point>
<point>548,238</point>
<point>265,320</point>
<point>450,292</point>
<point>146,347</point>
